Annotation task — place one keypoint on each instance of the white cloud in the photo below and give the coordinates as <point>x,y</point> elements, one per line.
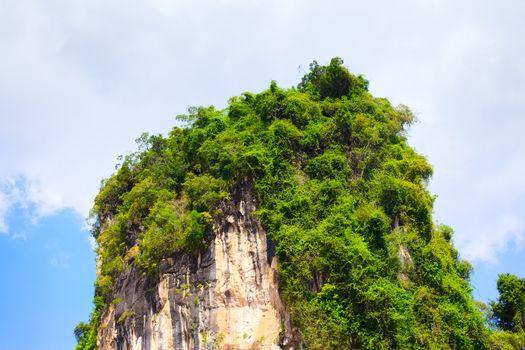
<point>4,206</point>
<point>79,81</point>
<point>92,243</point>
<point>493,237</point>
<point>9,196</point>
<point>475,141</point>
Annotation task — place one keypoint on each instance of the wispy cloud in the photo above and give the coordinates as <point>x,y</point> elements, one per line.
<point>61,262</point>
<point>9,196</point>
<point>4,207</point>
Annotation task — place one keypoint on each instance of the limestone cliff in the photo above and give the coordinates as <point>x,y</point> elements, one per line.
<point>223,297</point>
<point>184,262</point>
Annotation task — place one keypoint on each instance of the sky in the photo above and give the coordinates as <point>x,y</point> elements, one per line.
<point>81,80</point>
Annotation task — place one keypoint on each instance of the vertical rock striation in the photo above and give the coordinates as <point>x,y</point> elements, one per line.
<point>225,297</point>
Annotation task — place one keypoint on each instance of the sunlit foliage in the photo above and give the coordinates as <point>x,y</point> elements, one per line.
<point>339,191</point>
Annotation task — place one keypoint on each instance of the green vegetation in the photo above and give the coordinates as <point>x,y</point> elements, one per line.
<point>340,192</point>
<point>509,310</point>
<point>125,315</point>
<point>507,314</point>
<point>86,334</point>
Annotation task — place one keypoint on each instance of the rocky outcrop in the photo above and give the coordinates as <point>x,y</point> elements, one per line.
<point>224,297</point>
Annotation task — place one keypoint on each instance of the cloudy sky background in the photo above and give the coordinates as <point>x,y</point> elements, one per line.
<point>81,80</point>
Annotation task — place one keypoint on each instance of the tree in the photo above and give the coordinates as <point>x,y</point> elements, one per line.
<point>508,312</point>
<point>81,330</point>
<point>333,81</point>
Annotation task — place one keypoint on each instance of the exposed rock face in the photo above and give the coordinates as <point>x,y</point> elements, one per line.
<point>226,297</point>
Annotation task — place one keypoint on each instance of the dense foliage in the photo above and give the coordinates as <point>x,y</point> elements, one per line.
<point>340,192</point>
<point>507,314</point>
<point>509,309</point>
<point>86,334</point>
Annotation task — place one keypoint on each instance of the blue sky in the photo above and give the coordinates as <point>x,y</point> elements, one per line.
<point>81,80</point>
<point>47,281</point>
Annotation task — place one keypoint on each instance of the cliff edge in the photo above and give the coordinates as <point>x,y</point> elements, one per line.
<point>293,219</point>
